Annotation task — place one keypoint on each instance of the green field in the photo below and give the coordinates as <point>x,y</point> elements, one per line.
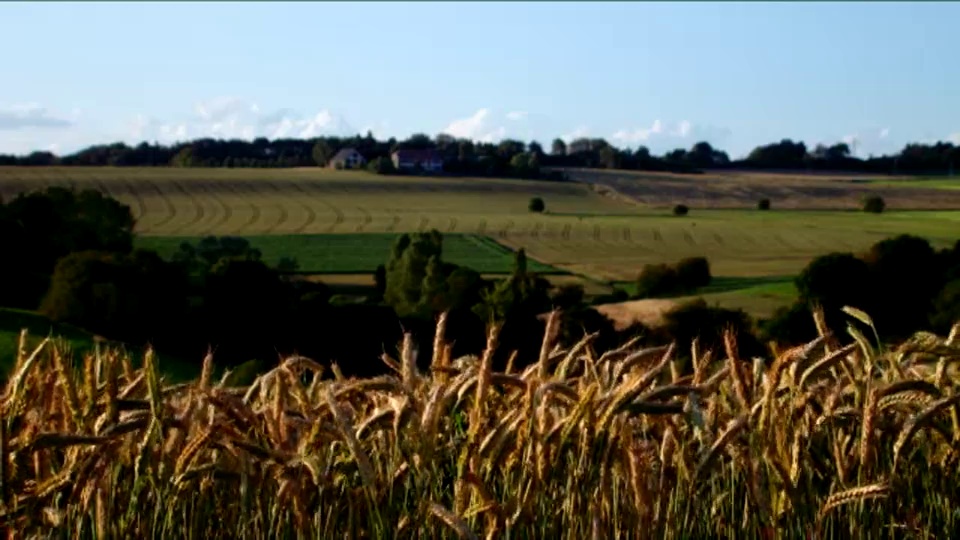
<point>342,222</point>
<point>361,253</point>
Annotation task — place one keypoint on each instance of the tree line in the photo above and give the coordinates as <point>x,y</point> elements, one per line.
<point>508,157</point>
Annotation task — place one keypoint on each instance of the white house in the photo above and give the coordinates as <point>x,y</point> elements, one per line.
<point>348,158</point>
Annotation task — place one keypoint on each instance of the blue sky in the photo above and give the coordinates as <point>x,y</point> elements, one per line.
<point>657,74</point>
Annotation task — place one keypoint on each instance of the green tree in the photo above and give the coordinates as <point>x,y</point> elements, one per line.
<point>125,296</point>
<point>321,153</point>
<point>609,158</point>
<point>381,165</point>
<point>693,273</point>
<point>184,158</point>
<point>536,204</point>
<point>874,204</point>
<point>657,281</point>
<point>523,294</point>
<point>558,147</point>
<point>40,227</point>
<point>406,271</point>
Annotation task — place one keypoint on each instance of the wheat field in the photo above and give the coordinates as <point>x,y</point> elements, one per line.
<point>834,439</point>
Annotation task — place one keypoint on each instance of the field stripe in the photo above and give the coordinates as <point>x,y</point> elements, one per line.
<point>171,209</point>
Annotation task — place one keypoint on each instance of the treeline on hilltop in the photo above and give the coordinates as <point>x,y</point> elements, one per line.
<point>506,158</point>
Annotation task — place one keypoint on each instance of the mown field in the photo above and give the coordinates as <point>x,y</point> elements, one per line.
<point>342,222</point>
<point>739,189</point>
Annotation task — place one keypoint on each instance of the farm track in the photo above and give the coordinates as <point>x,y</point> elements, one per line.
<point>197,209</point>
<point>283,216</point>
<point>394,221</point>
<point>171,209</point>
<point>365,219</point>
<point>137,196</point>
<point>226,212</point>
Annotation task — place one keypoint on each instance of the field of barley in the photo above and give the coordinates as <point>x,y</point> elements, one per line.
<point>835,439</point>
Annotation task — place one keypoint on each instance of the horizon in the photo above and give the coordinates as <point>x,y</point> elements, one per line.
<point>663,76</point>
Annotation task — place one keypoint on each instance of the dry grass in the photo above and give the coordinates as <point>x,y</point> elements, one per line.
<point>825,439</point>
<point>648,312</point>
<point>742,189</point>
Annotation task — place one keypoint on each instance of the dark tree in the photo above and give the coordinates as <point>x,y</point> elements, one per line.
<point>536,205</point>
<point>874,204</point>
<point>558,147</point>
<point>657,281</point>
<point>321,153</point>
<point>680,210</point>
<point>693,273</point>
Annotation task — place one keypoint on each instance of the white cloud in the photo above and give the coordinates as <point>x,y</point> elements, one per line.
<point>884,133</point>
<point>643,134</point>
<point>230,117</point>
<point>516,115</point>
<point>578,133</point>
<point>666,132</point>
<point>954,138</point>
<point>33,115</point>
<point>851,140</point>
<point>476,127</point>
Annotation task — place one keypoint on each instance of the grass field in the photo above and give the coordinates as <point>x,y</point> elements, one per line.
<point>317,215</point>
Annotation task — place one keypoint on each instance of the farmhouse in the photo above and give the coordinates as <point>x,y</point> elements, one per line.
<point>348,158</point>
<point>425,160</point>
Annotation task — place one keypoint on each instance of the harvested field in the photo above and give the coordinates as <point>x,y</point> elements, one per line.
<point>737,189</point>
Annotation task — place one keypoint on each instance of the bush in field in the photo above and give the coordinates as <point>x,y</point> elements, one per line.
<point>693,273</point>
<point>614,296</point>
<point>536,205</point>
<point>874,204</point>
<point>680,210</point>
<point>656,280</point>
<point>661,280</point>
<point>763,204</point>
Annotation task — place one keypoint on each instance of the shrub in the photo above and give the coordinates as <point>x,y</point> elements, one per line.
<point>874,204</point>
<point>698,320</point>
<point>693,273</point>
<point>536,205</point>
<point>680,210</point>
<point>381,165</point>
<point>567,296</point>
<point>615,296</point>
<point>789,325</point>
<point>657,280</point>
<point>763,204</point>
